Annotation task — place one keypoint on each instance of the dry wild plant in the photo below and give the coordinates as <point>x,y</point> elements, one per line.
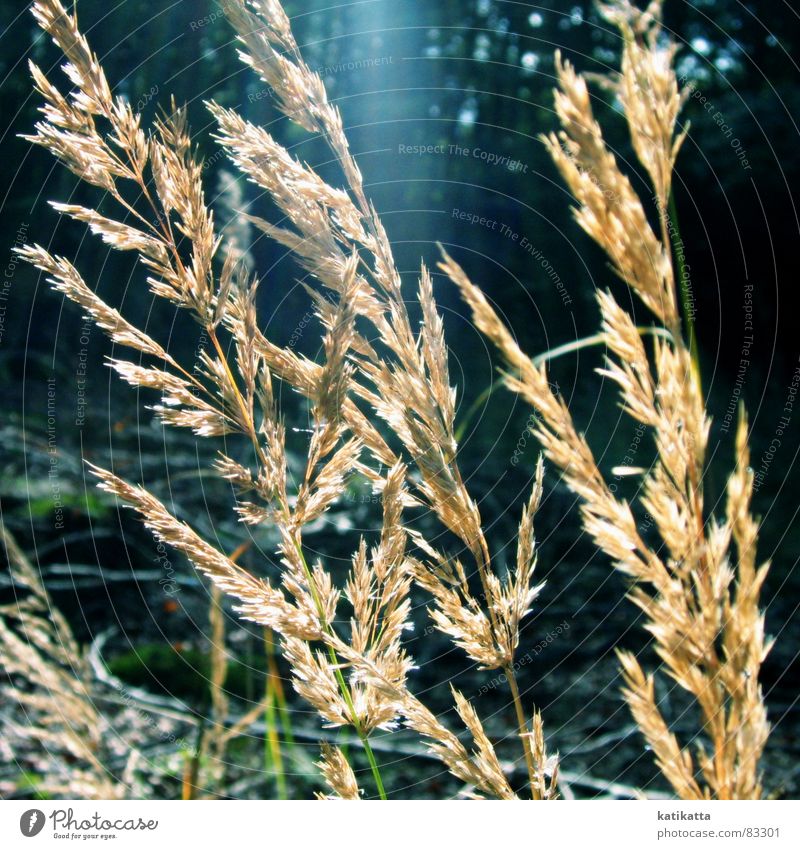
<point>74,730</point>
<point>354,675</point>
<point>385,409</point>
<point>53,690</point>
<point>700,597</point>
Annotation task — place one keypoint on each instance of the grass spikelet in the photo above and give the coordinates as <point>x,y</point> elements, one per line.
<point>700,597</point>
<point>381,405</point>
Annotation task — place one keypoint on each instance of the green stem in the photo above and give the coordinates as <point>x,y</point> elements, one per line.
<point>362,735</point>
<point>546,356</point>
<point>345,690</point>
<point>373,765</point>
<point>247,418</point>
<point>277,690</point>
<point>471,412</point>
<point>272,745</point>
<point>682,284</point>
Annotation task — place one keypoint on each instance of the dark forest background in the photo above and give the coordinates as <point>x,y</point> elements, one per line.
<point>477,75</point>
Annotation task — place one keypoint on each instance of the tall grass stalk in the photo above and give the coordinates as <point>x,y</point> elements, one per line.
<point>381,405</point>
<point>593,341</point>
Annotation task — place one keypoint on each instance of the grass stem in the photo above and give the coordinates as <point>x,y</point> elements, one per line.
<point>524,734</point>
<point>343,687</point>
<point>683,286</point>
<point>551,354</point>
